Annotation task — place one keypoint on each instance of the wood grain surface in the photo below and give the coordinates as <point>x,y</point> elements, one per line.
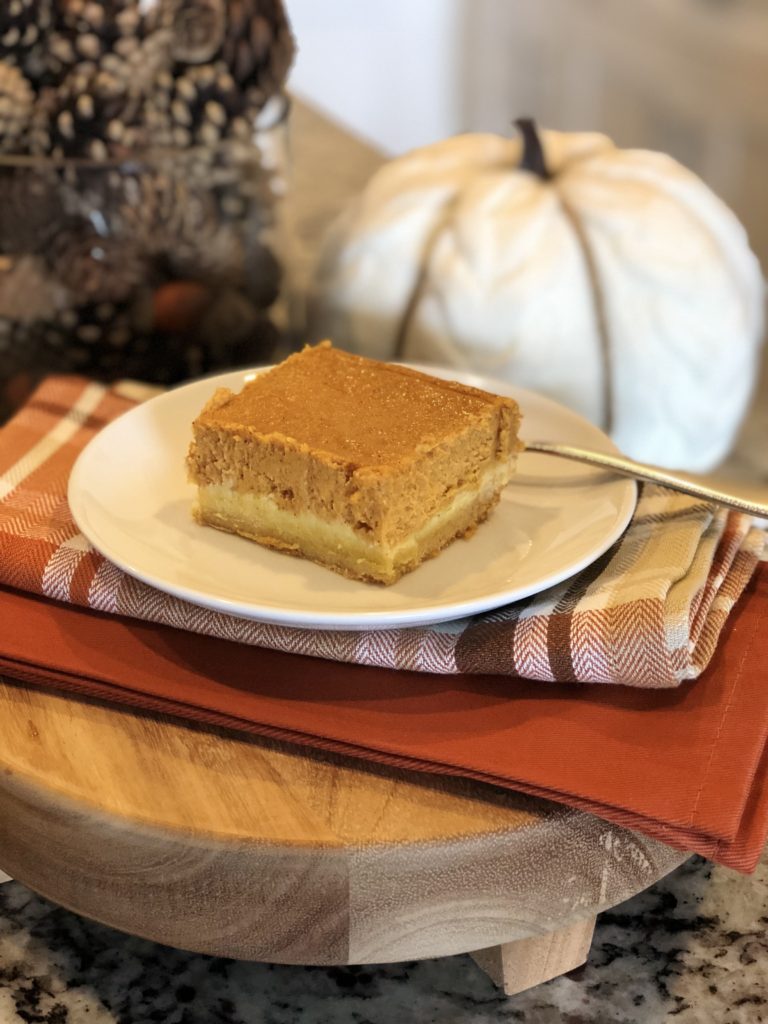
<point>256,850</point>
<point>516,966</point>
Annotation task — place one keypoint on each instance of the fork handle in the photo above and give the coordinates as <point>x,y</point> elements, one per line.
<point>651,474</point>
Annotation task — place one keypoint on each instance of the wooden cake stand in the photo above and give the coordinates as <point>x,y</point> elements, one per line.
<point>256,850</point>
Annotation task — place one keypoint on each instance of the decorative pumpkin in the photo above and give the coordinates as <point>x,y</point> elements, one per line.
<point>612,280</point>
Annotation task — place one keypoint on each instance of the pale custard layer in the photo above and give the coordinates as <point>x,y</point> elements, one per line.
<point>337,545</point>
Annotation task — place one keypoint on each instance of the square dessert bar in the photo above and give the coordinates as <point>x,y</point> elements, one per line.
<point>364,467</point>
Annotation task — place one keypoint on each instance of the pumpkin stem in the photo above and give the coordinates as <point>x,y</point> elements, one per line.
<point>533,153</point>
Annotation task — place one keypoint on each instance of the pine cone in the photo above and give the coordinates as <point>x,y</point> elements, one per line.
<point>104,62</point>
<point>92,338</point>
<point>91,326</point>
<point>29,210</point>
<point>109,32</point>
<point>81,111</point>
<point>109,340</point>
<point>234,333</point>
<point>83,30</point>
<point>176,221</point>
<point>204,105</point>
<point>106,342</point>
<point>93,114</point>
<point>258,46</point>
<point>95,268</point>
<point>28,292</point>
<point>23,26</point>
<point>198,30</point>
<point>158,361</point>
<point>89,29</point>
<point>16,101</point>
<point>159,209</point>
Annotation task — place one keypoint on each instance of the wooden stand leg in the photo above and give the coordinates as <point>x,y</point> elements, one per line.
<point>516,966</point>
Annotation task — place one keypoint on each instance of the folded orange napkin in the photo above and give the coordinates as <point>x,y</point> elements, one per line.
<point>686,765</point>
<point>647,613</point>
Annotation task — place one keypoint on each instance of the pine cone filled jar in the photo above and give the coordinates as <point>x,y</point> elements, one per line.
<point>142,163</point>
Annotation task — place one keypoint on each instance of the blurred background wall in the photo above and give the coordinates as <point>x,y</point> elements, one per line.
<point>386,70</point>
<point>689,77</point>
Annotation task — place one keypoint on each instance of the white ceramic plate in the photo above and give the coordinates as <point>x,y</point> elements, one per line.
<point>129,495</point>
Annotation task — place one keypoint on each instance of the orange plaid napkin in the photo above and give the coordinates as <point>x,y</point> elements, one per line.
<point>647,613</point>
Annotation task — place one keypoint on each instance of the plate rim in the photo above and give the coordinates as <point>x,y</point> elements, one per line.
<point>279,615</point>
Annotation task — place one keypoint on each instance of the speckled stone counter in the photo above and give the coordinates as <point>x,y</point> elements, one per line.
<point>694,948</point>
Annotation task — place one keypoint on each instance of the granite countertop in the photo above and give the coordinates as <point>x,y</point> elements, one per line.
<point>693,948</point>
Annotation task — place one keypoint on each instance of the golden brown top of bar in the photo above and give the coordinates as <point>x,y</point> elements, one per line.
<point>357,409</point>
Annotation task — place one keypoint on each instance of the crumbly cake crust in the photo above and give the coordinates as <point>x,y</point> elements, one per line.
<point>378,448</point>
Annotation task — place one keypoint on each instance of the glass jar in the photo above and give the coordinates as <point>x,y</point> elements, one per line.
<point>160,266</point>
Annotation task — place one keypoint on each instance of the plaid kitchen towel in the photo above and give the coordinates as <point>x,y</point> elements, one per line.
<point>648,613</point>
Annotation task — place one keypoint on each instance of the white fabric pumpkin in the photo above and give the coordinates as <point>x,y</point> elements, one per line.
<point>619,285</point>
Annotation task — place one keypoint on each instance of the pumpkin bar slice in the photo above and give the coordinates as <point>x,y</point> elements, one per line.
<point>365,467</point>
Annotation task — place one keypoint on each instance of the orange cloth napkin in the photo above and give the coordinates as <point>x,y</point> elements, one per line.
<point>647,613</point>
<point>686,765</point>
